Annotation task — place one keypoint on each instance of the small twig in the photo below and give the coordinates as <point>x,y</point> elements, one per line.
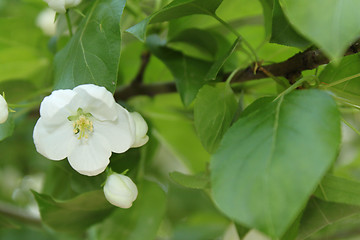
<point>145,58</point>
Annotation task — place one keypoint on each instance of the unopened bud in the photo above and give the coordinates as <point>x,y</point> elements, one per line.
<point>4,110</point>
<point>120,190</point>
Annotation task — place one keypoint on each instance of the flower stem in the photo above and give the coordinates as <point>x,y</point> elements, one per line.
<point>351,126</point>
<point>230,28</point>
<point>69,22</point>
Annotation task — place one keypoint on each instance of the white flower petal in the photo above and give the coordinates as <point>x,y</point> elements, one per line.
<point>118,134</point>
<point>91,156</point>
<point>71,3</point>
<point>45,21</point>
<point>96,100</point>
<point>4,110</point>
<point>55,109</point>
<point>55,142</point>
<point>57,5</point>
<point>141,129</point>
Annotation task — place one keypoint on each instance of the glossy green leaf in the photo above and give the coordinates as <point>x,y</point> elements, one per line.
<point>175,9</point>
<point>340,190</point>
<point>74,215</point>
<point>214,111</point>
<point>273,157</point>
<point>189,73</point>
<point>7,128</point>
<point>318,214</point>
<point>282,32</point>
<point>333,30</point>
<point>92,55</point>
<point>346,68</point>
<point>215,68</point>
<point>199,181</point>
<point>139,222</point>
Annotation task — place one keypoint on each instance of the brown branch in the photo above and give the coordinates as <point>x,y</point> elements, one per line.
<point>290,69</point>
<point>307,60</point>
<point>144,89</point>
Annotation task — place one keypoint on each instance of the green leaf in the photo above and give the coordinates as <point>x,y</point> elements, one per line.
<point>174,129</point>
<point>333,30</point>
<point>282,32</point>
<point>189,73</point>
<point>139,222</point>
<point>270,161</point>
<point>214,111</point>
<point>7,128</point>
<point>340,190</point>
<point>74,215</point>
<point>346,68</point>
<point>201,226</point>
<point>199,181</point>
<point>176,9</point>
<point>92,55</point>
<point>215,68</point>
<point>319,214</point>
<point>267,6</point>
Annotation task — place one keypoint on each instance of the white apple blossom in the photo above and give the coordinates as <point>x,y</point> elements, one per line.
<point>85,125</point>
<point>140,131</point>
<point>4,110</point>
<point>61,6</point>
<point>45,21</point>
<point>120,190</point>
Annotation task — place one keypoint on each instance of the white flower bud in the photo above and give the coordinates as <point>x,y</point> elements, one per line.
<point>120,190</point>
<point>45,21</point>
<point>141,129</point>
<point>60,6</point>
<point>4,110</point>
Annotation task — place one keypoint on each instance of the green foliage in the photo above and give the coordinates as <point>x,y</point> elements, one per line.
<point>189,73</point>
<point>93,54</point>
<point>189,67</point>
<point>199,181</point>
<point>139,222</point>
<point>7,128</point>
<point>175,9</point>
<point>214,112</point>
<point>319,214</point>
<point>282,31</point>
<point>272,139</point>
<point>74,215</point>
<point>339,190</point>
<point>323,29</point>
<point>346,69</point>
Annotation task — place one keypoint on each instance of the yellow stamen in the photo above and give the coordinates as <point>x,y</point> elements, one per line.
<point>82,124</point>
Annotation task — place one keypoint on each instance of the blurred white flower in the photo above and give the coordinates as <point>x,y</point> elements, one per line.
<point>4,110</point>
<point>141,129</point>
<point>46,21</point>
<point>85,125</point>
<point>61,6</point>
<point>120,190</point>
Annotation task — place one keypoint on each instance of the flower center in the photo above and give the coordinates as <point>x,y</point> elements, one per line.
<point>82,124</point>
